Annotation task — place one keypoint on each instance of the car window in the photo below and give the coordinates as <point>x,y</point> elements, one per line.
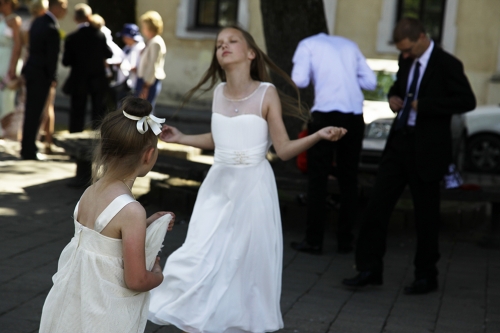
<point>384,82</point>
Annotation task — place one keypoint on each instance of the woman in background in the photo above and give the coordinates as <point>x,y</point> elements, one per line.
<point>150,71</point>
<point>10,52</point>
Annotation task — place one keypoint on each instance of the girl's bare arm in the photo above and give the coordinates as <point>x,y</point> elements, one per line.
<point>286,148</point>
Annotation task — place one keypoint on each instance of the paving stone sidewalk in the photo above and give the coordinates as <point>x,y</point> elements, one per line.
<point>35,224</point>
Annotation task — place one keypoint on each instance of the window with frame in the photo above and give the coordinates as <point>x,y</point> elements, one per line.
<point>215,14</point>
<point>429,12</point>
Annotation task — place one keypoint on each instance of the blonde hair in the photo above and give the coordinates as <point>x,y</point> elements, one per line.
<point>153,21</point>
<point>36,6</point>
<point>120,146</point>
<point>97,21</point>
<point>82,11</point>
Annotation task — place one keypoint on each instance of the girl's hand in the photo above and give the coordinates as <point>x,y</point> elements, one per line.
<point>331,133</point>
<point>144,93</point>
<point>156,267</point>
<point>12,73</point>
<point>170,134</point>
<point>157,215</point>
<point>172,221</point>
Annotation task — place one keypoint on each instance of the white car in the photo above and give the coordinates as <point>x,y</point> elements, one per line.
<point>482,141</point>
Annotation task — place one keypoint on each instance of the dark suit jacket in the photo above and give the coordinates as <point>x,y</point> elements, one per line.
<point>44,49</point>
<point>85,51</point>
<point>444,90</point>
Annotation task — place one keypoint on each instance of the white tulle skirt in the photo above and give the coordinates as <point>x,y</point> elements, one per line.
<point>226,277</point>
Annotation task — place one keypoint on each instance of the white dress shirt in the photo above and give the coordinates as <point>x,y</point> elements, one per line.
<point>423,60</point>
<point>130,62</point>
<point>338,71</point>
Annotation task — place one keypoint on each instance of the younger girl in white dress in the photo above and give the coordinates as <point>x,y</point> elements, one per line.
<point>226,277</point>
<point>105,272</point>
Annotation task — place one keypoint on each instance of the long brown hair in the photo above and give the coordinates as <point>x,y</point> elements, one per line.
<point>120,146</point>
<point>259,71</point>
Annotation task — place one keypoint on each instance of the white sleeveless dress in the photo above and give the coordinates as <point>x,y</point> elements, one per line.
<point>226,277</point>
<point>89,293</point>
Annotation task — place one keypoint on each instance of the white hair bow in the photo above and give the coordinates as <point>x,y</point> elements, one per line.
<point>142,123</point>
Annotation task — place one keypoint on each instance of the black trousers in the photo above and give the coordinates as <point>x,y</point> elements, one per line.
<point>37,90</point>
<point>319,163</point>
<point>397,169</point>
<point>96,88</point>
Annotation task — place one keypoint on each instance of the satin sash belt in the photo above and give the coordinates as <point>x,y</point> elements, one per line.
<point>250,156</point>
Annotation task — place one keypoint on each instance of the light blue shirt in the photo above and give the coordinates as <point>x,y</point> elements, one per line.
<point>338,71</point>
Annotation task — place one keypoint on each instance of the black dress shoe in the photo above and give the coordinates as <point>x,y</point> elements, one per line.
<point>421,286</point>
<point>364,278</point>
<point>304,246</point>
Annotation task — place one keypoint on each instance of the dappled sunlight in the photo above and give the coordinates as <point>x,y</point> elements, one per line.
<point>8,212</point>
<point>16,175</point>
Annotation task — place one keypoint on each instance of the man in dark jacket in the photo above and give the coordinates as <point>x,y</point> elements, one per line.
<point>430,87</point>
<point>40,71</point>
<point>85,51</point>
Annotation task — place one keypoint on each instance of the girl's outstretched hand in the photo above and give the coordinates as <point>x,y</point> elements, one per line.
<point>170,134</point>
<point>157,215</point>
<point>331,133</point>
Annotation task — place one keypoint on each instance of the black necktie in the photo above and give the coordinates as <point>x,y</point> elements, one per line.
<point>403,118</point>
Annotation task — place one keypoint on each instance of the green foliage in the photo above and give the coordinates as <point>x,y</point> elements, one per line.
<point>384,83</point>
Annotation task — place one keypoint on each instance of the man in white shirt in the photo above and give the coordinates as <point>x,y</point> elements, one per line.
<point>338,71</point>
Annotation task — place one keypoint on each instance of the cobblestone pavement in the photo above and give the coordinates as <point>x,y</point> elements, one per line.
<point>35,224</point>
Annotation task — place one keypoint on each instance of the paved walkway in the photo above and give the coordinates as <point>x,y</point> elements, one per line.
<point>35,225</point>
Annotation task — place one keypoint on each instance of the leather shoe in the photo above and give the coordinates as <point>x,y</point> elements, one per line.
<point>364,278</point>
<point>304,246</point>
<point>421,286</point>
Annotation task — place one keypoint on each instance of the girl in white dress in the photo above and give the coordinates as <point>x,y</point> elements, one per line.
<point>105,272</point>
<point>226,277</point>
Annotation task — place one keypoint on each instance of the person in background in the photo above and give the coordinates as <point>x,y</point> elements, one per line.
<point>85,51</point>
<point>430,87</point>
<point>40,71</point>
<point>126,78</point>
<point>10,52</point>
<point>150,70</point>
<point>37,9</point>
<point>110,64</point>
<point>339,71</point>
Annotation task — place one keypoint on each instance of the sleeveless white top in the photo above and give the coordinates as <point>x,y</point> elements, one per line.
<point>89,292</point>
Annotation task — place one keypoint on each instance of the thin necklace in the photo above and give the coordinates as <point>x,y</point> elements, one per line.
<point>239,99</point>
<point>130,189</point>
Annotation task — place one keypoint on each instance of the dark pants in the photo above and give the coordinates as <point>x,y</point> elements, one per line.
<point>37,90</point>
<point>397,169</point>
<point>96,88</point>
<point>319,163</point>
<point>154,91</point>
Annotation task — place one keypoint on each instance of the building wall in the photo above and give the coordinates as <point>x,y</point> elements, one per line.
<point>188,59</point>
<point>476,42</point>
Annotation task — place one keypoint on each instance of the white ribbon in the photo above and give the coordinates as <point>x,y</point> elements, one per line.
<point>142,123</point>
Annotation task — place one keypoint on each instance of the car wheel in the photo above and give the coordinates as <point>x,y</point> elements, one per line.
<point>483,153</point>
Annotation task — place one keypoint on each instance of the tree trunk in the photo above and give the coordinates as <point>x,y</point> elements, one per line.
<point>286,23</point>
<point>115,12</point>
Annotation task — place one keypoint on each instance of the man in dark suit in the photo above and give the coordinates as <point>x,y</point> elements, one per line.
<point>40,72</point>
<point>430,87</point>
<point>85,51</point>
